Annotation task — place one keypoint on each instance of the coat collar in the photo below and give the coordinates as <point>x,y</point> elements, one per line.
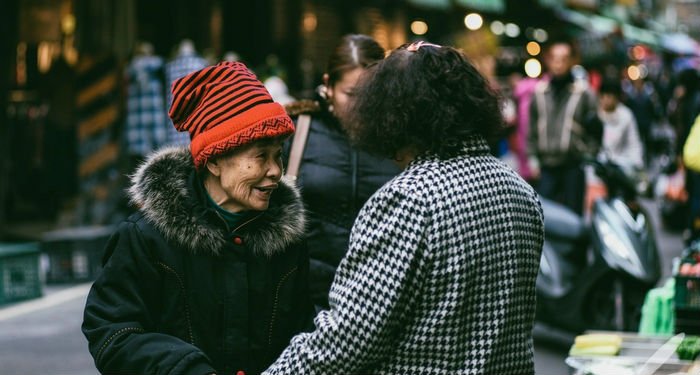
<point>473,145</point>
<point>163,189</point>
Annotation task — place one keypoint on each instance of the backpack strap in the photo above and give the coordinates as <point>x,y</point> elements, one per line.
<point>298,145</point>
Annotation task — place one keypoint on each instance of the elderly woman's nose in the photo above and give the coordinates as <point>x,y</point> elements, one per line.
<point>274,169</point>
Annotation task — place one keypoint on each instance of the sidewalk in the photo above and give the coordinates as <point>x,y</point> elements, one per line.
<point>42,336</point>
<point>53,295</point>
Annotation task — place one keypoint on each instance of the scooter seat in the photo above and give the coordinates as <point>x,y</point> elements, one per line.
<point>561,222</point>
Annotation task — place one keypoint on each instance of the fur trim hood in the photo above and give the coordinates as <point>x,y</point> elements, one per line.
<point>303,107</point>
<point>160,187</point>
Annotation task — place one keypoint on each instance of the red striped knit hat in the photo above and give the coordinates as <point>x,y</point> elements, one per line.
<point>225,106</point>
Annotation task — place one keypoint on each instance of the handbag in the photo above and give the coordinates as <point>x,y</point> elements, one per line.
<point>298,145</point>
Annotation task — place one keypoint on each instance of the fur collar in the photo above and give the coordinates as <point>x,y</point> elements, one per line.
<point>303,107</point>
<point>162,189</point>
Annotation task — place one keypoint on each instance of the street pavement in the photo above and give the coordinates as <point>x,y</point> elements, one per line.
<point>43,336</point>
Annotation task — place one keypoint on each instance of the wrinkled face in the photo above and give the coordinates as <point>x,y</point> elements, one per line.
<point>342,91</point>
<point>608,102</point>
<point>559,60</point>
<point>245,180</point>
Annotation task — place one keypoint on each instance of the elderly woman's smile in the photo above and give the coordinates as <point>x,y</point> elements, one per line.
<point>245,179</point>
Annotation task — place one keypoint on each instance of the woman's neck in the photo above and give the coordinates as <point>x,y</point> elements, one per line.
<point>218,194</point>
<point>404,157</point>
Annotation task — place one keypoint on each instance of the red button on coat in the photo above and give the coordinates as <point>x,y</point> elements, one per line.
<point>238,240</point>
<point>240,372</point>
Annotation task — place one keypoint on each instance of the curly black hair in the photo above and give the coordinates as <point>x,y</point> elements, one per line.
<point>428,100</point>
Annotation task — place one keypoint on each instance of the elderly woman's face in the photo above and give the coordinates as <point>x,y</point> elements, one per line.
<point>248,176</point>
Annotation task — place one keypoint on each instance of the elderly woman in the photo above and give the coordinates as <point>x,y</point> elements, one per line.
<point>210,276</point>
<point>439,277</point>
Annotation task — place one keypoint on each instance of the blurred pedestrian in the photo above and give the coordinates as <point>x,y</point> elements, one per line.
<point>186,61</point>
<point>621,141</point>
<point>523,90</point>
<point>562,129</point>
<point>336,178</point>
<point>147,125</point>
<point>641,98</point>
<point>278,89</point>
<point>439,277</point>
<point>210,275</point>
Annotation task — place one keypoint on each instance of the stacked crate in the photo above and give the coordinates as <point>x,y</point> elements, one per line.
<point>19,272</point>
<point>687,292</point>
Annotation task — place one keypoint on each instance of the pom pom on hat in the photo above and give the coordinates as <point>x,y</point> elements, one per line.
<point>225,106</point>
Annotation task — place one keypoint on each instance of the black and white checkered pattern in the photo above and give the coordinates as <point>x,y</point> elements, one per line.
<point>439,277</point>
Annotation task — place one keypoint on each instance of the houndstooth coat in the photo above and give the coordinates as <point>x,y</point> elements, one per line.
<point>439,277</point>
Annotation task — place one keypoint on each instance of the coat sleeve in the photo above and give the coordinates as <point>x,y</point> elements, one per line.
<point>373,289</point>
<point>121,314</point>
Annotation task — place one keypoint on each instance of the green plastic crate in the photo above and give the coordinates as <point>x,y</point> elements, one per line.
<point>19,272</point>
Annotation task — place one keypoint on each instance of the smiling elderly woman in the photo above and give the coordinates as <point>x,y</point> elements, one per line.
<point>210,276</point>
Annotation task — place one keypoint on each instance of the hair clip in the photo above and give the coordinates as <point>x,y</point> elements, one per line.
<point>415,46</point>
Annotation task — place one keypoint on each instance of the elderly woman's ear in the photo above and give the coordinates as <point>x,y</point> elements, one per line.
<point>213,167</point>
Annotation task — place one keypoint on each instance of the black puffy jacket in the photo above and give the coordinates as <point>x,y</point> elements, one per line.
<point>180,293</point>
<point>335,180</point>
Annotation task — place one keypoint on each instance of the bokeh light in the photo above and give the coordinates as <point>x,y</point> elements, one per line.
<point>540,35</point>
<point>310,22</point>
<point>497,27</point>
<point>533,48</point>
<point>473,21</point>
<point>533,68</point>
<point>512,30</point>
<point>419,27</point>
<point>634,73</point>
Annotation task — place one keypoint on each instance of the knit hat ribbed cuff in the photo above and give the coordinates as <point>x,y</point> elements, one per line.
<point>238,132</point>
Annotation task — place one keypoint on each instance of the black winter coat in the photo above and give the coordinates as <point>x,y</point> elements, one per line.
<point>180,293</point>
<point>335,180</point>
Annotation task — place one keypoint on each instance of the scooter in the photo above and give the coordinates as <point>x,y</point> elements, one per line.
<point>595,276</point>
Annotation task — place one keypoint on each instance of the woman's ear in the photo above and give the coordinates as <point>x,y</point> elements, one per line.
<point>326,87</point>
<point>214,167</point>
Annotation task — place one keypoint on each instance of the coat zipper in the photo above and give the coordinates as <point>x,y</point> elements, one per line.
<point>184,294</point>
<point>246,222</point>
<point>274,307</point>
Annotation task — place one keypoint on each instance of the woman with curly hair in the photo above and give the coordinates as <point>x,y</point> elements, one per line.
<point>439,277</point>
